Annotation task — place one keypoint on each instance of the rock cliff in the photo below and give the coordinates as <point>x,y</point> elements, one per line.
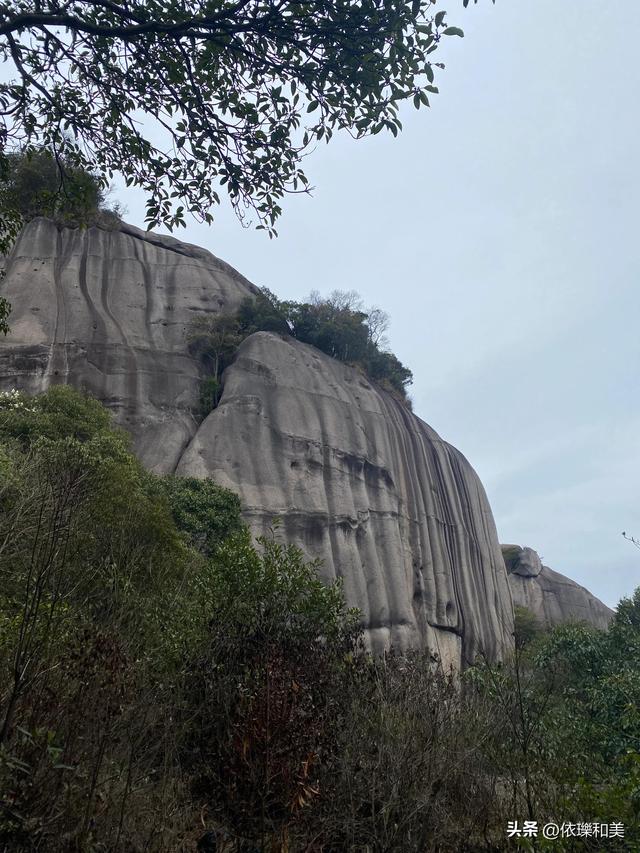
<point>356,478</point>
<point>552,597</point>
<point>360,481</point>
<point>108,311</point>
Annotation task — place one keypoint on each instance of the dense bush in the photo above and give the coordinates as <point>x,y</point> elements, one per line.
<point>566,737</point>
<point>264,693</point>
<point>93,577</point>
<point>203,511</point>
<point>411,775</point>
<point>336,325</point>
<point>164,679</point>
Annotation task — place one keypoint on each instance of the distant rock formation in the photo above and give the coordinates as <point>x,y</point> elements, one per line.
<point>356,478</point>
<point>550,596</point>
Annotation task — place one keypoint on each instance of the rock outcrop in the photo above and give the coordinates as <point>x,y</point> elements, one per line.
<point>550,596</point>
<point>108,311</point>
<point>356,478</point>
<point>361,482</point>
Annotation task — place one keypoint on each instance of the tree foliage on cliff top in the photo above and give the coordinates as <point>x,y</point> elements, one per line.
<point>233,92</point>
<point>338,325</point>
<point>35,182</point>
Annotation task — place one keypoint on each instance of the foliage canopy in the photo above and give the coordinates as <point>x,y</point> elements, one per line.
<point>234,92</point>
<point>203,511</point>
<point>567,720</point>
<point>36,183</point>
<point>338,325</point>
<point>160,673</point>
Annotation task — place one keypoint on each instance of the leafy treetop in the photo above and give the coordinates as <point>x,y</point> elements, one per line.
<point>338,325</point>
<point>35,183</point>
<point>233,92</point>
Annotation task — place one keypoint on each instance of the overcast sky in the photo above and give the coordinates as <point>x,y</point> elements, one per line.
<point>500,231</point>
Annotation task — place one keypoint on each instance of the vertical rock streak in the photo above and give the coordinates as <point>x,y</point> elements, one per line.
<point>358,480</point>
<point>364,484</point>
<point>108,312</point>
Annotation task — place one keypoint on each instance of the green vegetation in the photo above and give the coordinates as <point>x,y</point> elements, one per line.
<point>5,310</point>
<point>273,666</point>
<point>35,182</point>
<point>567,724</point>
<point>526,627</point>
<point>233,94</point>
<point>164,680</point>
<point>139,631</point>
<point>337,325</point>
<point>214,340</point>
<point>204,512</point>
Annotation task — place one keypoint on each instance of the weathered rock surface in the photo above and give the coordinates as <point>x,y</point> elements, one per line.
<point>552,597</point>
<point>360,481</point>
<point>357,479</point>
<point>107,311</point>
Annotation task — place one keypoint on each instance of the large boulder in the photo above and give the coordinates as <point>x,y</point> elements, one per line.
<point>364,484</point>
<point>550,596</point>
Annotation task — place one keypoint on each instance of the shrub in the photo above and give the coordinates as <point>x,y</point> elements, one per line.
<point>526,627</point>
<point>93,578</point>
<point>60,413</point>
<point>203,511</point>
<point>566,736</point>
<point>210,389</point>
<point>263,711</point>
<point>410,773</point>
<point>214,340</point>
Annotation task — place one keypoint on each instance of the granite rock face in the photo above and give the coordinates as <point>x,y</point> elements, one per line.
<point>356,478</point>
<point>107,311</point>
<point>361,482</point>
<point>552,597</point>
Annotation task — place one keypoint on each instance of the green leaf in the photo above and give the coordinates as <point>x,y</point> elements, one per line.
<point>454,31</point>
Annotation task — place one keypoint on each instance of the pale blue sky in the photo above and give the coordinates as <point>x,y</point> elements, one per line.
<point>501,233</point>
